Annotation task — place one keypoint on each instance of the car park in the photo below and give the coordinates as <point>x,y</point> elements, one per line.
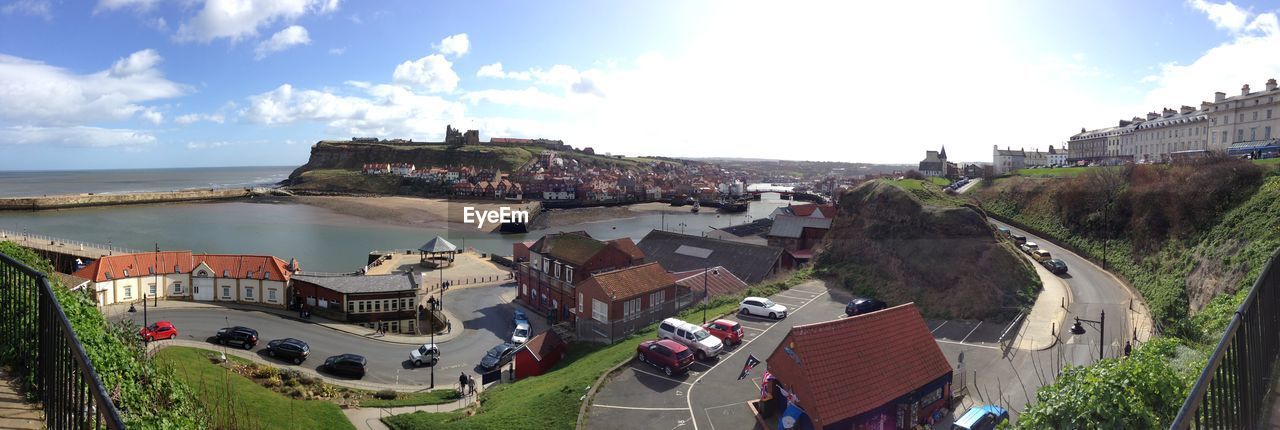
<point>668,355</point>
<point>761,306</point>
<point>427,354</point>
<point>243,337</point>
<point>729,332</point>
<point>698,339</point>
<point>158,330</point>
<point>346,364</point>
<point>288,349</point>
<point>1055,266</point>
<point>1040,255</point>
<point>1029,247</point>
<point>497,356</point>
<point>859,306</point>
<point>521,333</point>
<point>985,417</point>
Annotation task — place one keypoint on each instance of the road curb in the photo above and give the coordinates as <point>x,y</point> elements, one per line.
<point>251,356</point>
<point>582,410</point>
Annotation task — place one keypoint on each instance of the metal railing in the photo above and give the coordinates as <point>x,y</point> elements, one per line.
<point>30,238</point>
<point>35,333</point>
<point>1229,393</point>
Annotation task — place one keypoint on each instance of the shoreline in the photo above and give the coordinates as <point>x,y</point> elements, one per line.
<point>559,218</point>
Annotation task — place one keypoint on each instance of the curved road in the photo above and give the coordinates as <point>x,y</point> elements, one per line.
<point>485,311</point>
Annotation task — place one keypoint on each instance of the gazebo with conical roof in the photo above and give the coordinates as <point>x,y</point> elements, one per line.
<point>438,252</point>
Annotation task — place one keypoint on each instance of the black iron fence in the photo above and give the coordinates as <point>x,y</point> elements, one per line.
<point>1229,393</point>
<point>35,334</point>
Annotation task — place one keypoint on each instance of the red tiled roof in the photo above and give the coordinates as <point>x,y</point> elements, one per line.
<point>143,264</point>
<point>632,281</point>
<point>719,281</point>
<point>626,245</point>
<point>807,210</point>
<point>544,344</point>
<point>888,353</point>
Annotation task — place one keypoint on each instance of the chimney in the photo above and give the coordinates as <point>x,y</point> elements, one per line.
<point>1186,109</point>
<point>1152,115</point>
<point>1124,123</point>
<point>1082,130</point>
<point>1204,106</point>
<point>1169,112</point>
<point>1244,91</point>
<point>1219,96</point>
<point>1271,84</point>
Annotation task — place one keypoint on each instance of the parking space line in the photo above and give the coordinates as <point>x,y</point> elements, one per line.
<point>707,411</point>
<point>751,328</point>
<point>939,326</point>
<point>792,297</point>
<point>661,376</point>
<point>966,344</point>
<point>975,328</point>
<point>637,408</point>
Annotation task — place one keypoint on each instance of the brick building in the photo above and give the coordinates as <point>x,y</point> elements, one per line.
<point>616,303</point>
<point>389,302</point>
<point>559,262</point>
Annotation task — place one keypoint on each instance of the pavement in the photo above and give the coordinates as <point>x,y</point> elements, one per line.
<point>15,411</point>
<point>969,186</point>
<point>486,322</point>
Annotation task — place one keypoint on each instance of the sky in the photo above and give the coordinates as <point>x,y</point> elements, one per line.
<point>104,84</point>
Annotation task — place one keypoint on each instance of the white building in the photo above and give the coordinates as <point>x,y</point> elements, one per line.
<point>1007,160</point>
<point>1057,157</point>
<point>181,275</point>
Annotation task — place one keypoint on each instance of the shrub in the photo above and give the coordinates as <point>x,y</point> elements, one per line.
<point>267,372</point>
<point>385,394</point>
<point>290,375</point>
<point>311,380</point>
<point>272,382</point>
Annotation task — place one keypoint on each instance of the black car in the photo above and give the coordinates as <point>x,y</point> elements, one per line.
<point>245,337</point>
<point>1055,265</point>
<point>288,349</point>
<point>497,356</point>
<point>346,364</point>
<point>859,306</point>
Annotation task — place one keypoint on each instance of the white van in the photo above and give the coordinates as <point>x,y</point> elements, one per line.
<point>696,338</point>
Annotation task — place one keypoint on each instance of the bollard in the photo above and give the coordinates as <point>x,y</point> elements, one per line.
<point>1064,302</point>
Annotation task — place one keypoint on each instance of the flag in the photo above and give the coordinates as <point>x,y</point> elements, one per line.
<point>764,385</point>
<point>752,361</point>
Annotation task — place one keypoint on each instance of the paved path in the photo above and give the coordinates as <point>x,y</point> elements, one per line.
<point>15,412</point>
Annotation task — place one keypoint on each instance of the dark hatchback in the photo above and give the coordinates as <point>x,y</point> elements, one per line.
<point>497,356</point>
<point>288,349</point>
<point>346,364</point>
<point>244,337</point>
<point>859,306</point>
<point>1058,267</point>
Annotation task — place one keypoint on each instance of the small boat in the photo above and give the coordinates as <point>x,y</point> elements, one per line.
<point>732,207</point>
<point>695,207</point>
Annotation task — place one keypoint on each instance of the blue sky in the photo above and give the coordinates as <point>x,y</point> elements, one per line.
<point>155,83</point>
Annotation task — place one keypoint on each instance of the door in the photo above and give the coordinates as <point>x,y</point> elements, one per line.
<point>202,289</point>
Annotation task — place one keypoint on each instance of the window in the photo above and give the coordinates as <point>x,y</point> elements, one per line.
<point>249,275</point>
<point>248,293</point>
<point>226,292</point>
<point>361,303</point>
<point>568,273</point>
<point>351,306</point>
<point>176,269</point>
<point>1268,113</point>
<point>631,309</point>
<point>1240,135</point>
<point>151,270</point>
<point>1226,120</point>
<point>579,302</point>
<point>1253,133</point>
<point>599,311</point>
<point>226,273</point>
<point>1241,118</point>
<point>177,288</point>
<point>377,306</point>
<point>271,294</point>
<point>1266,132</point>
<point>152,289</point>
<point>266,275</point>
<point>656,298</point>
<point>128,292</point>
<point>126,273</point>
<point>1224,137</point>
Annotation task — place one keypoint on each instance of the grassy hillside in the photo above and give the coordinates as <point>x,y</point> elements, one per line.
<point>345,181</point>
<point>889,243</point>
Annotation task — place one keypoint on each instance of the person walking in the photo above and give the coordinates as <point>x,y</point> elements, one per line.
<point>462,383</point>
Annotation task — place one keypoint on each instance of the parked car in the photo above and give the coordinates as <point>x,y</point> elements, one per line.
<point>859,306</point>
<point>497,356</point>
<point>763,307</point>
<point>521,333</point>
<point>696,338</point>
<point>1019,239</point>
<point>1040,255</point>
<point>519,318</point>
<point>288,349</point>
<point>668,355</point>
<point>1003,230</point>
<point>245,337</point>
<point>985,417</point>
<point>428,353</point>
<point>1029,247</point>
<point>729,332</point>
<point>346,364</point>
<point>158,330</point>
<point>1055,266</point>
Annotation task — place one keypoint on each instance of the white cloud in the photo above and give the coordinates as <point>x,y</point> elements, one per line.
<point>151,115</point>
<point>495,71</point>
<point>529,97</point>
<point>456,45</point>
<point>192,118</point>
<point>209,145</point>
<point>110,5</point>
<point>291,36</point>
<point>36,8</point>
<point>37,93</point>
<point>1225,15</point>
<point>378,110</point>
<point>240,19</point>
<point>337,51</point>
<point>76,136</point>
<point>433,73</point>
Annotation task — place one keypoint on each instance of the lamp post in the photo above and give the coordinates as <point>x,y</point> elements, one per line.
<point>1078,329</point>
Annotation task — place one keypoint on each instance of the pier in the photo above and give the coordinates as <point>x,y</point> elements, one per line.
<point>85,200</point>
<point>62,253</point>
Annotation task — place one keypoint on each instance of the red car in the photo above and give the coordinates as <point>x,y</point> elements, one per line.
<point>729,332</point>
<point>665,354</point>
<point>159,330</point>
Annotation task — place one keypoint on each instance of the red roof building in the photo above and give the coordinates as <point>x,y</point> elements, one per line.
<point>539,355</point>
<point>614,304</point>
<point>124,278</point>
<point>559,262</point>
<point>882,368</point>
<point>718,280</point>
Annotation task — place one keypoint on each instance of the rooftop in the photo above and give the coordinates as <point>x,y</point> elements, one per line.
<point>359,284</point>
<point>680,252</point>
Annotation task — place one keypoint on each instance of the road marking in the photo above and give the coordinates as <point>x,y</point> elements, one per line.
<point>707,411</point>
<point>661,376</point>
<point>967,344</point>
<point>751,328</point>
<point>796,298</point>
<point>689,399</point>
<point>637,408</point>
<point>975,328</point>
<point>939,326</point>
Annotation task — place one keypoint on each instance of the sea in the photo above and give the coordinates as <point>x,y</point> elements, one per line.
<point>321,239</point>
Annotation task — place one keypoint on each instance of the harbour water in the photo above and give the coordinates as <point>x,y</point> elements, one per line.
<point>41,183</point>
<point>321,239</point>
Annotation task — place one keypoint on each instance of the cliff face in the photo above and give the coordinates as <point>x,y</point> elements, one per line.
<point>353,156</point>
<point>885,243</point>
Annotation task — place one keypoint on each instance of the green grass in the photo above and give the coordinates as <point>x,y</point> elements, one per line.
<point>238,402</point>
<point>434,397</point>
<point>347,181</point>
<point>1061,172</point>
<point>1268,162</point>
<point>551,401</point>
<point>941,182</point>
<point>928,191</point>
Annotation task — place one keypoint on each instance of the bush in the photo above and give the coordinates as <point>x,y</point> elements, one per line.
<point>385,394</point>
<point>311,380</point>
<point>267,372</point>
<point>290,375</point>
<point>272,382</point>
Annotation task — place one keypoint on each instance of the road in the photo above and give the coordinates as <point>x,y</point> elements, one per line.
<point>485,311</point>
<point>711,396</point>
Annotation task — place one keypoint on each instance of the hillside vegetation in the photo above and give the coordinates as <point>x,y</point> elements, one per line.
<point>887,243</point>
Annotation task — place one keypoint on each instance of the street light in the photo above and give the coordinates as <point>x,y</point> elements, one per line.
<point>1078,329</point>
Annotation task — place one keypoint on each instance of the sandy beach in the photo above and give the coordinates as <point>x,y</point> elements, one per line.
<point>405,211</point>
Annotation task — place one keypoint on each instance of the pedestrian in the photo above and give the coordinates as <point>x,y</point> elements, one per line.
<point>1128,347</point>
<point>448,327</point>
<point>462,383</point>
<point>471,385</point>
